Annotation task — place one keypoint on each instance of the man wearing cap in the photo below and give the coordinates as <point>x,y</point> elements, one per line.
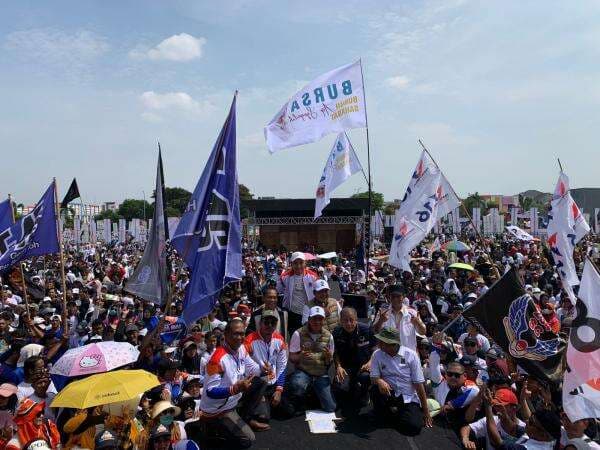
<point>106,440</point>
<point>311,350</point>
<point>230,375</point>
<point>453,391</point>
<point>269,299</point>
<point>472,331</point>
<point>297,286</point>
<point>400,317</point>
<point>398,384</point>
<point>268,349</point>
<point>330,306</point>
<point>500,426</point>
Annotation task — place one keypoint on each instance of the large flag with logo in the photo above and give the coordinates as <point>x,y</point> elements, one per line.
<point>331,103</point>
<point>341,164</point>
<point>581,386</point>
<point>6,214</point>
<point>519,233</point>
<point>150,280</point>
<point>509,316</point>
<point>34,234</point>
<point>566,227</point>
<point>208,236</point>
<point>421,175</point>
<point>429,198</point>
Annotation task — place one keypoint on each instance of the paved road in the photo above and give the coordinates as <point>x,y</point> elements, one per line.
<point>353,434</point>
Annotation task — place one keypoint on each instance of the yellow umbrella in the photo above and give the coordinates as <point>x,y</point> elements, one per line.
<point>463,266</point>
<point>104,388</point>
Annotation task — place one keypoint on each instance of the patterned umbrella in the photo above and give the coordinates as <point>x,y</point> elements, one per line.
<point>456,246</point>
<point>95,358</point>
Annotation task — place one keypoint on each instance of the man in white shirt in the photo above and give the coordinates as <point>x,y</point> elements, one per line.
<point>398,384</point>
<point>296,285</point>
<point>400,317</point>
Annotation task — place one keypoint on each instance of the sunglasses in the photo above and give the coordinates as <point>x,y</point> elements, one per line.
<point>454,374</point>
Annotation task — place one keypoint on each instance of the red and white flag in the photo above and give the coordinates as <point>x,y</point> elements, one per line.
<point>566,227</point>
<point>581,385</point>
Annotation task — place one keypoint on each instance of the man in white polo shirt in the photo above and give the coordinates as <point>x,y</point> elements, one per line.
<point>398,384</point>
<point>296,285</point>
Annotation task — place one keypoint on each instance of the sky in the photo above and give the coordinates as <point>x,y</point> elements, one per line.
<point>496,90</point>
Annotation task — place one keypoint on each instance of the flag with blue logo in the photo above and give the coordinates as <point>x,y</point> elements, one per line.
<point>208,236</point>
<point>6,214</point>
<point>35,234</point>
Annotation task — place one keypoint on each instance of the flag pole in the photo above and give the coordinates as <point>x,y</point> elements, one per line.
<point>454,192</point>
<point>23,285</point>
<point>62,259</point>
<point>559,164</point>
<point>369,181</point>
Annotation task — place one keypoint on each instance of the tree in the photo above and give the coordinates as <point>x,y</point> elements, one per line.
<point>176,198</point>
<point>473,201</point>
<point>525,203</point>
<point>108,214</point>
<point>135,209</point>
<point>245,193</point>
<point>390,209</point>
<point>377,199</point>
<point>491,204</point>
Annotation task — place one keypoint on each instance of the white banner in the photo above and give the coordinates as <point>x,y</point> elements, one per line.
<point>122,229</point>
<point>513,216</point>
<point>456,229</point>
<point>106,229</point>
<point>581,389</point>
<point>331,103</point>
<point>93,232</point>
<point>341,164</point>
<point>77,230</point>
<point>134,229</point>
<point>477,218</point>
<point>534,221</point>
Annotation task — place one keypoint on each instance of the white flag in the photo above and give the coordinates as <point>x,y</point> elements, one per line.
<point>341,165</point>
<point>331,103</point>
<point>107,234</point>
<point>122,231</point>
<point>93,232</point>
<point>430,200</point>
<point>436,246</point>
<point>421,175</point>
<point>581,387</point>
<point>566,227</point>
<point>519,233</point>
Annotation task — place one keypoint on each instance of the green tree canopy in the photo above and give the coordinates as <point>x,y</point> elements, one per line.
<point>108,214</point>
<point>377,199</point>
<point>135,209</point>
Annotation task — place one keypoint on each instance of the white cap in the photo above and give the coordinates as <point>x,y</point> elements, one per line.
<point>38,320</point>
<point>297,255</point>
<point>75,290</point>
<point>537,290</point>
<point>46,299</point>
<point>320,285</point>
<point>316,311</point>
<point>127,301</point>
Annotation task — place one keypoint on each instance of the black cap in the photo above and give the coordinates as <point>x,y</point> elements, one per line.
<point>469,361</point>
<point>470,340</point>
<point>494,353</point>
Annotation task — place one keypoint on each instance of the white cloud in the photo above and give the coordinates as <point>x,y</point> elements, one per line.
<point>179,47</point>
<point>157,106</point>
<point>398,82</point>
<point>69,51</point>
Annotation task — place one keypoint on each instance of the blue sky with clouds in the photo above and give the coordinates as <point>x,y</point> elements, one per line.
<point>497,90</point>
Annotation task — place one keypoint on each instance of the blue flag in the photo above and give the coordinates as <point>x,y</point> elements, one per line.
<point>208,236</point>
<point>6,214</point>
<point>34,234</point>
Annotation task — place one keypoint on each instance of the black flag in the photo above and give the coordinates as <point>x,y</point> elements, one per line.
<point>71,194</point>
<point>510,317</point>
<point>150,280</point>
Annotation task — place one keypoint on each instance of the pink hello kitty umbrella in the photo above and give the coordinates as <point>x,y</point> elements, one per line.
<point>95,358</point>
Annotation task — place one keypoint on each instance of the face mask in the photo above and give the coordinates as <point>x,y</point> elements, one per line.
<point>166,420</point>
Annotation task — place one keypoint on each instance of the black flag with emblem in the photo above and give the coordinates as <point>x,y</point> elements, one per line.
<point>510,317</point>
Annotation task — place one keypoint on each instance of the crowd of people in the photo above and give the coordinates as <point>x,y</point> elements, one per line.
<point>294,334</point>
